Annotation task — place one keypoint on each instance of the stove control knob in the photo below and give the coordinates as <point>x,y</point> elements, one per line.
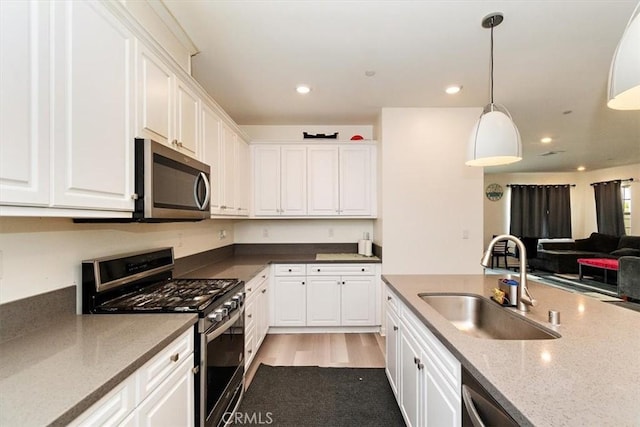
<point>217,315</point>
<point>231,304</point>
<point>238,299</point>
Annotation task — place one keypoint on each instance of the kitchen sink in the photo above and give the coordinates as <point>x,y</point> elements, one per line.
<point>482,318</point>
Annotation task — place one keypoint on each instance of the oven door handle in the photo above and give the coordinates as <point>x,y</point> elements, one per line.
<point>220,329</point>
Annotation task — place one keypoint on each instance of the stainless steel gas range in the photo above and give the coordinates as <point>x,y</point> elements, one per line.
<point>143,282</point>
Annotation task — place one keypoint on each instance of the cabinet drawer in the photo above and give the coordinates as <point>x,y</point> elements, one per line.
<point>446,362</point>
<point>392,301</point>
<point>252,285</point>
<point>112,408</point>
<point>290,270</point>
<point>249,315</point>
<point>340,269</point>
<point>249,347</point>
<point>164,363</point>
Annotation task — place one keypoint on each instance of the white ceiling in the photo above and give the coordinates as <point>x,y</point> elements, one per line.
<point>551,56</point>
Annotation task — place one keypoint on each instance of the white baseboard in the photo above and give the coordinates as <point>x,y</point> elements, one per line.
<point>323,329</point>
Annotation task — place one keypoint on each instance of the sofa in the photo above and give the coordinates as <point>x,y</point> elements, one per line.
<point>629,277</point>
<point>562,257</point>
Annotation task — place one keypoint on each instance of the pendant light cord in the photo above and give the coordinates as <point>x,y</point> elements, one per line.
<point>491,67</point>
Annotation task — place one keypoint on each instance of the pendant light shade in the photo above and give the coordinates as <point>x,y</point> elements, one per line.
<point>624,75</point>
<point>495,139</point>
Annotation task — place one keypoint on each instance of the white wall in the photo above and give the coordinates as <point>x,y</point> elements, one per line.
<point>302,230</point>
<point>431,200</point>
<point>39,255</point>
<point>583,211</point>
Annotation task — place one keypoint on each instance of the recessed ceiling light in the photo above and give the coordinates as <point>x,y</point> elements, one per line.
<point>567,112</point>
<point>546,140</point>
<point>452,90</point>
<point>303,89</point>
<point>581,168</point>
<point>369,73</point>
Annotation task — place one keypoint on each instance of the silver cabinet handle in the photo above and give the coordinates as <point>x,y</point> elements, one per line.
<point>420,366</point>
<point>249,316</point>
<point>395,328</point>
<point>303,283</point>
<point>180,144</point>
<point>264,291</point>
<point>249,289</point>
<point>416,360</point>
<point>175,357</point>
<point>389,298</point>
<point>174,142</point>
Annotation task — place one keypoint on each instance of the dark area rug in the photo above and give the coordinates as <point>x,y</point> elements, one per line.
<point>312,396</point>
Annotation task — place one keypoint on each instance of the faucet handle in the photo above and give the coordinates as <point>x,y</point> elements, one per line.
<point>530,300</point>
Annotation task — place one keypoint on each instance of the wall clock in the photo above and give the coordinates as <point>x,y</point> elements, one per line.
<point>494,192</point>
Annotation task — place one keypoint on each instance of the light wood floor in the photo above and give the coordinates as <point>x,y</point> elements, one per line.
<point>326,350</point>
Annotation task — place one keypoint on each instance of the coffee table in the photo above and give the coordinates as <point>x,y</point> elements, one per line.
<point>602,263</point>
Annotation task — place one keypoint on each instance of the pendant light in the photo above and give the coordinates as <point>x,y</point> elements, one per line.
<point>624,75</point>
<point>495,139</point>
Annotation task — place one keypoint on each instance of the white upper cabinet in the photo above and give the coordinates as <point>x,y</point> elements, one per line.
<point>93,154</point>
<point>155,97</point>
<point>24,115</point>
<point>355,179</point>
<point>228,156</point>
<point>187,111</point>
<point>211,154</point>
<point>323,173</point>
<point>279,177</point>
<point>66,81</point>
<point>314,180</point>
<point>168,108</point>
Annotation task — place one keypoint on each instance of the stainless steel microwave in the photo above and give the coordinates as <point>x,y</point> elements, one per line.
<point>169,186</point>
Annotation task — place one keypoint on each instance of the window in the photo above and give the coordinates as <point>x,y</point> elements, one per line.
<point>626,207</point>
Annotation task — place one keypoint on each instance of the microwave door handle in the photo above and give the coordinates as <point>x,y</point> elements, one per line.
<point>202,176</point>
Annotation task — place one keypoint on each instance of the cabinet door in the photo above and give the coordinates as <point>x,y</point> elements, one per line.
<point>227,204</point>
<point>93,156</point>
<point>212,154</point>
<point>323,301</point>
<point>187,112</point>
<point>241,180</point>
<point>290,301</point>
<point>154,102</point>
<point>172,403</point>
<point>266,180</point>
<point>293,188</point>
<point>115,408</point>
<point>358,301</point>
<point>24,105</point>
<point>322,172</point>
<point>355,180</point>
<point>443,405</point>
<point>392,350</point>
<point>410,393</point>
<point>262,322</point>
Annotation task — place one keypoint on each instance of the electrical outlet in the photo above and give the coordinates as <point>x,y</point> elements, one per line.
<point>265,232</point>
<point>465,234</point>
<point>331,232</point>
<point>180,240</point>
<point>222,234</point>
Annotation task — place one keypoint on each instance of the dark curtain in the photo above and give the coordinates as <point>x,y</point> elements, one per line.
<point>609,209</point>
<point>540,211</point>
<point>558,211</point>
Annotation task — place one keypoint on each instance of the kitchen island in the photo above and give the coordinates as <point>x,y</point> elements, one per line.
<point>589,376</point>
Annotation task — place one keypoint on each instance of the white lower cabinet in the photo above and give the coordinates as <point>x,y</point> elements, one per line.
<point>392,348</point>
<point>424,375</point>
<point>290,305</point>
<point>172,403</point>
<point>326,295</point>
<point>256,314</point>
<point>160,393</point>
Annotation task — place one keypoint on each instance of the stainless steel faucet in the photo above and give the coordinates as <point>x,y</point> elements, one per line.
<point>524,297</point>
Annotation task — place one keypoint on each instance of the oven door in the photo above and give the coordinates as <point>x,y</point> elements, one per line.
<point>222,362</point>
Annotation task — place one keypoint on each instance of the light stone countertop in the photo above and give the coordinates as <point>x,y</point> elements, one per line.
<point>590,376</point>
<point>51,376</point>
